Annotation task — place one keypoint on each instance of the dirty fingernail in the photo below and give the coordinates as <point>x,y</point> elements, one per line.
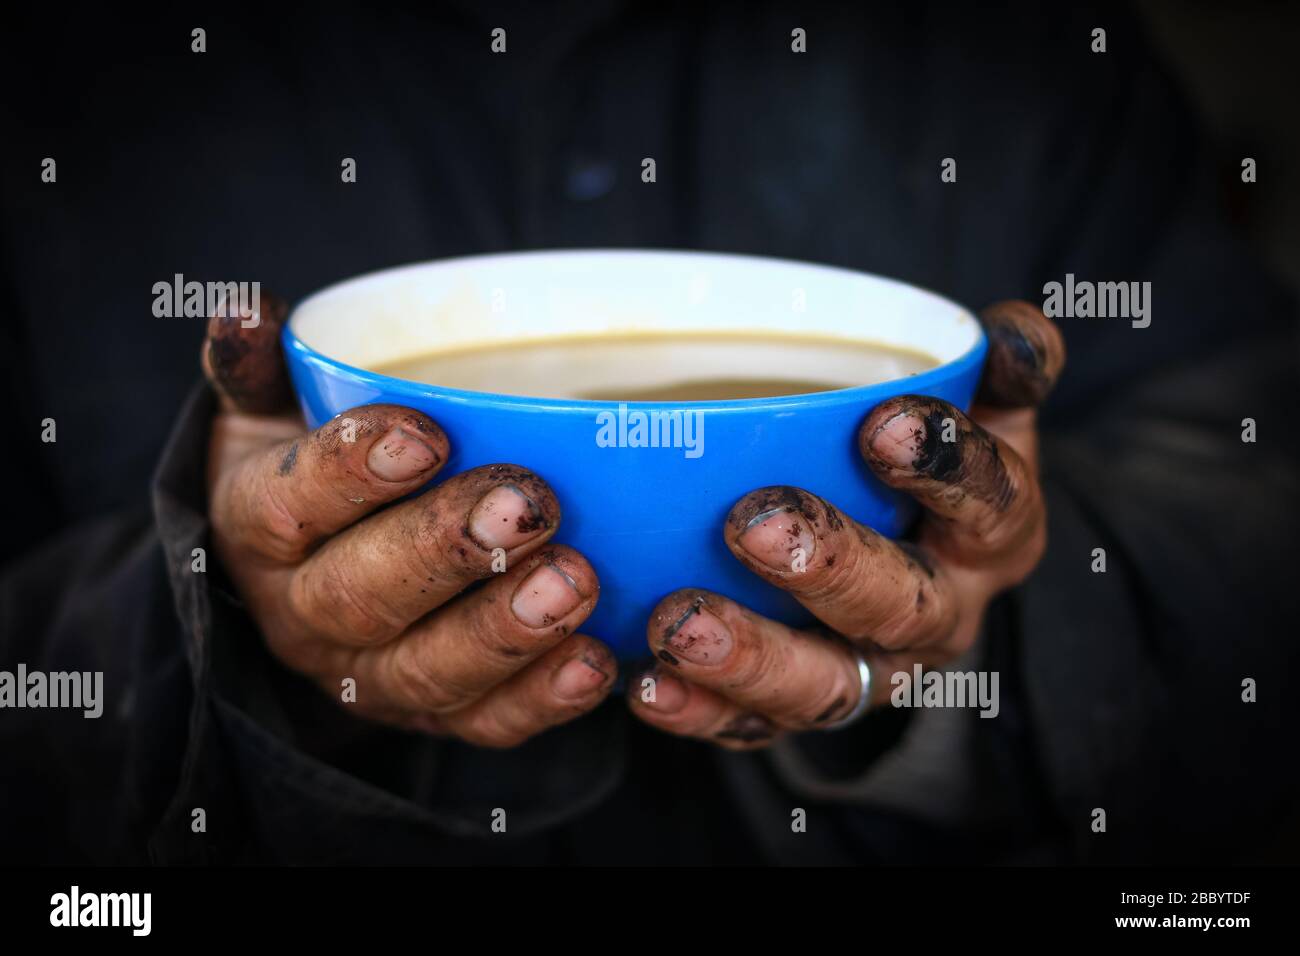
<point>780,538</point>
<point>545,596</point>
<point>504,518</point>
<point>400,456</point>
<point>697,636</point>
<point>898,441</point>
<point>577,678</point>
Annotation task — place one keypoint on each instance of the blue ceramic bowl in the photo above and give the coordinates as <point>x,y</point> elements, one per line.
<point>648,519</point>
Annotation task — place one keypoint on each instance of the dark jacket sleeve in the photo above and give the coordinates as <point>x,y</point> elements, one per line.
<point>210,751</point>
<point>90,789</point>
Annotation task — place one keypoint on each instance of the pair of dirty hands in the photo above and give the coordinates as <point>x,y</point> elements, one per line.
<point>342,587</point>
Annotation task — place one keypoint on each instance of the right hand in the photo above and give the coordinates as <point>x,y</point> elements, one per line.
<point>340,591</point>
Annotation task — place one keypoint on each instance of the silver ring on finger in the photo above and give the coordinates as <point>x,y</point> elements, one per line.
<point>864,696</point>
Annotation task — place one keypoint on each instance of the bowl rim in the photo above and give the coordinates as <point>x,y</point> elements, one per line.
<point>295,347</point>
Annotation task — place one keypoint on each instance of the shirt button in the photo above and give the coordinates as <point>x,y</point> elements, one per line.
<point>588,179</point>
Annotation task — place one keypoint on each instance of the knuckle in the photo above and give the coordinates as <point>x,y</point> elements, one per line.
<point>892,634</point>
<point>327,598</point>
<point>906,623</point>
<point>279,530</point>
<point>952,497</point>
<point>912,621</point>
<point>1000,530</point>
<point>833,696</point>
<point>442,547</point>
<point>848,589</point>
<point>501,640</point>
<point>417,679</point>
<point>993,531</point>
<point>829,583</point>
<point>749,671</point>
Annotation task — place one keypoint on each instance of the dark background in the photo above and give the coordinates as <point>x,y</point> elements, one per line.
<point>73,80</point>
<point>1238,63</point>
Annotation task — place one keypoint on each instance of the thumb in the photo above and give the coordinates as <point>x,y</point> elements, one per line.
<point>1026,355</point>
<point>242,358</point>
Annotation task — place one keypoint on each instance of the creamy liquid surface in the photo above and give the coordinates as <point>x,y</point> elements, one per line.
<point>663,367</point>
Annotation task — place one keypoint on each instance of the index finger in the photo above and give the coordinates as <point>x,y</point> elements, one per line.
<point>856,582</point>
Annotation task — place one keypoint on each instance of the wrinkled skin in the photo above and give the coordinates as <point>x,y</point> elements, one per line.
<point>728,675</point>
<point>345,588</point>
<point>342,589</point>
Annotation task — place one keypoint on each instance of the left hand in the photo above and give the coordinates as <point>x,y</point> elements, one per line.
<point>738,679</point>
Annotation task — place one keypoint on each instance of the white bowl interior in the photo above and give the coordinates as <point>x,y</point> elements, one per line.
<point>480,300</point>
